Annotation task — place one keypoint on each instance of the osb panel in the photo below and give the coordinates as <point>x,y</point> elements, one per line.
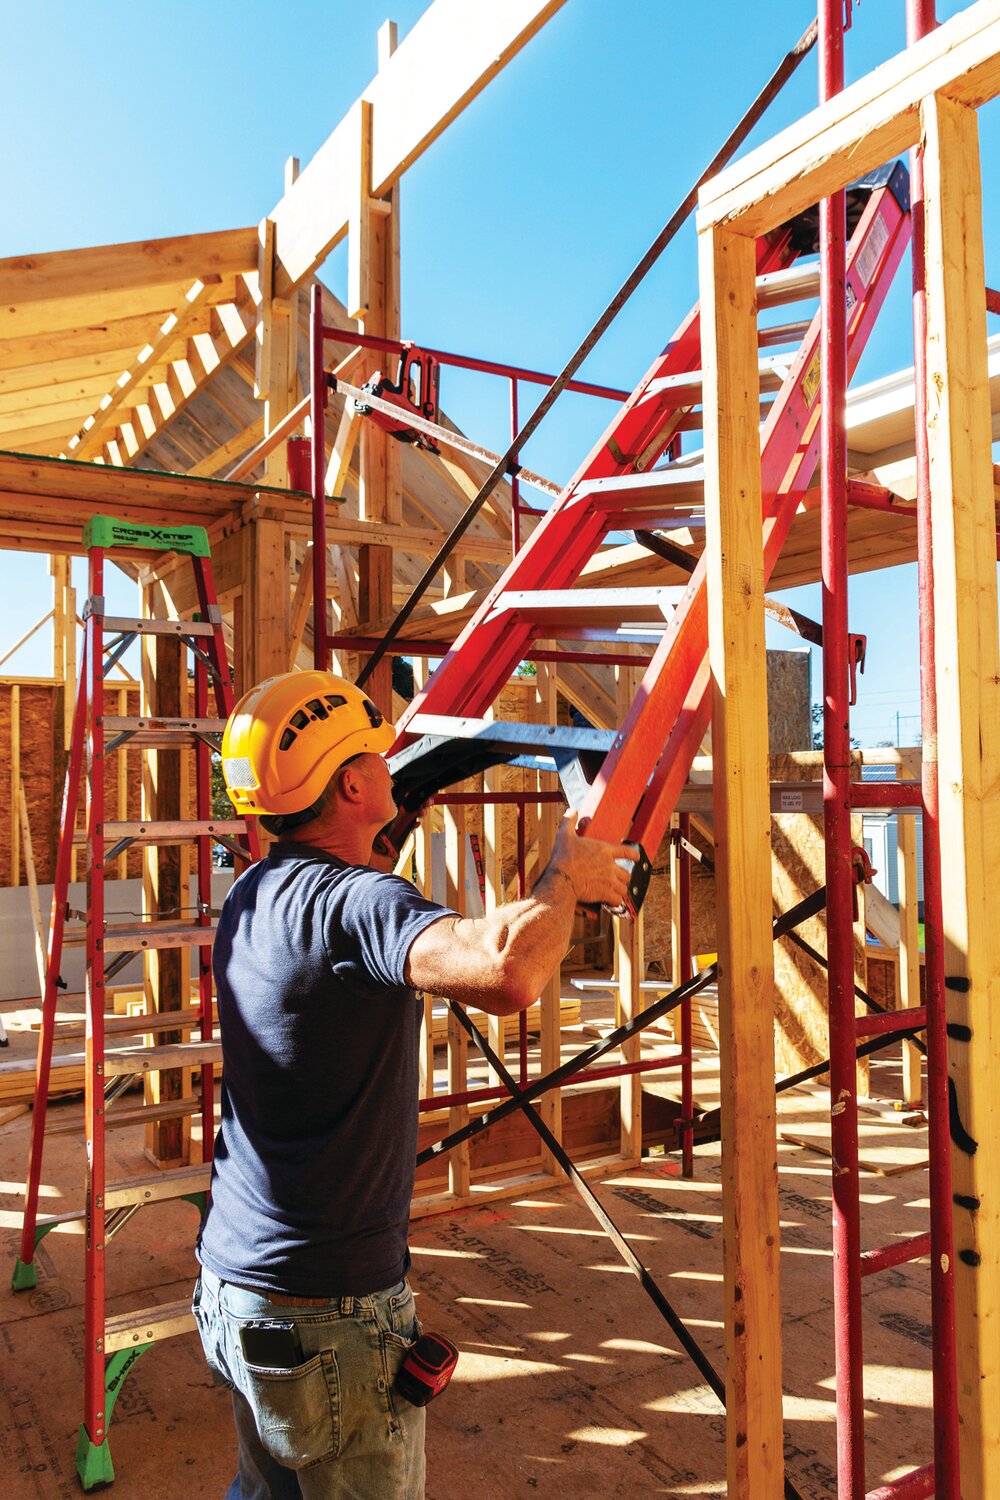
<point>789,721</point>
<point>43,768</point>
<point>798,868</point>
<point>658,906</point>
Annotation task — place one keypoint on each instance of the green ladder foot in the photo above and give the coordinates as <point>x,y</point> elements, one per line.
<point>25,1276</point>
<point>93,1461</point>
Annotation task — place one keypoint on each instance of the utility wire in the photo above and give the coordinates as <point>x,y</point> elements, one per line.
<point>509,460</point>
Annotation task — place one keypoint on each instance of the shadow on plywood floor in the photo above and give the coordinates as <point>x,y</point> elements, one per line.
<point>569,1381</point>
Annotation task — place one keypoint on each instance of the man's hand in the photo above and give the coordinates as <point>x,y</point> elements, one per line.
<point>590,865</point>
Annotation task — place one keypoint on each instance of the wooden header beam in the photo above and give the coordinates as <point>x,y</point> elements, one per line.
<point>444,62</point>
<point>874,120</point>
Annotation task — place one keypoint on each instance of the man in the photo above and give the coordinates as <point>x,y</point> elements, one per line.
<point>303,1304</point>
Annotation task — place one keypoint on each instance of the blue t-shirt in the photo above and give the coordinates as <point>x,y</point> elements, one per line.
<point>315,1155</point>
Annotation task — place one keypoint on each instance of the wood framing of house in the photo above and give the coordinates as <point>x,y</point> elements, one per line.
<point>151,380</point>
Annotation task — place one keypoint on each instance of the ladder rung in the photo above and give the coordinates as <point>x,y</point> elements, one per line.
<point>141,936</point>
<point>118,1118</point>
<point>533,738</point>
<point>167,832</point>
<point>73,1216</point>
<point>686,387</point>
<point>159,1186</point>
<point>158,627</point>
<point>782,333</point>
<point>148,1324</point>
<point>70,1029</point>
<point>794,284</point>
<point>159,734</point>
<point>593,606</point>
<point>120,1061</point>
<point>677,487</point>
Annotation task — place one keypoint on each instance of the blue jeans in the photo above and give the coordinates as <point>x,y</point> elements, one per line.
<point>334,1427</point>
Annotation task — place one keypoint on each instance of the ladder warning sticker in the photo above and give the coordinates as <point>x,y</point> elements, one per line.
<point>790,802</point>
<point>810,380</point>
<point>868,256</point>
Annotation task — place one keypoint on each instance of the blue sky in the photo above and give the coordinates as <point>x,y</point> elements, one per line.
<point>517,225</point>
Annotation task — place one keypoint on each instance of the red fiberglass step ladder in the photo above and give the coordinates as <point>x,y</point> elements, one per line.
<point>111,1345</point>
<point>641,769</point>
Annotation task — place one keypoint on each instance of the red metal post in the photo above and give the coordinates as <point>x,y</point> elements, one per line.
<point>684,923</point>
<point>515,483</point>
<point>920,19</point>
<point>317,408</point>
<point>837,804</point>
<point>93,1328</point>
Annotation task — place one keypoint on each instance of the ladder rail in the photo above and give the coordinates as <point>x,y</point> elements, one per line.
<point>94,1251</point>
<point>203,808</point>
<point>57,924</point>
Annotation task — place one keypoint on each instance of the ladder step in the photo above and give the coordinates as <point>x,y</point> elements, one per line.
<point>119,1117</point>
<point>118,1062</point>
<point>782,333</point>
<point>128,1330</point>
<point>793,284</point>
<point>622,607</point>
<point>676,489</point>
<point>141,937</point>
<point>159,1187</point>
<point>176,832</point>
<point>451,749</point>
<point>125,624</point>
<point>160,734</point>
<point>686,387</point>
<point>74,1028</point>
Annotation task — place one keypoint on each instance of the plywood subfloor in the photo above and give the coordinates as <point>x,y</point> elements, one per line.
<point>569,1382</point>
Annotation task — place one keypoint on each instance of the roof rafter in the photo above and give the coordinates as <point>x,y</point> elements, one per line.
<point>87,442</point>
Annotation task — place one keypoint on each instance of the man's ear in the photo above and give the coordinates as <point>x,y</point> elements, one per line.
<point>349,783</point>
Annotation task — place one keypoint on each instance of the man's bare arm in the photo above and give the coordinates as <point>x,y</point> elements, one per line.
<point>501,962</point>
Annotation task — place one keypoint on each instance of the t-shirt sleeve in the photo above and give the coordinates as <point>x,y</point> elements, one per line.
<point>383,914</point>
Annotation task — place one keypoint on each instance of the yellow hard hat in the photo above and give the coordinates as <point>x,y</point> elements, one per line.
<point>287,736</point>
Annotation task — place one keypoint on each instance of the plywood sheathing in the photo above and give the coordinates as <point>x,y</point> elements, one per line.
<point>798,869</point>
<point>42,764</point>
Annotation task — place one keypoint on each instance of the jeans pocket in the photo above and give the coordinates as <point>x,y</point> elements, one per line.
<point>206,1317</point>
<point>401,1327</point>
<point>297,1411</point>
